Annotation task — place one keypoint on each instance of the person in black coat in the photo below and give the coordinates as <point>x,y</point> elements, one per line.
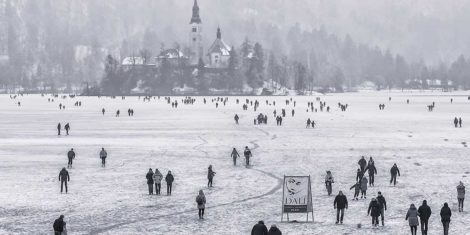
<point>59,225</point>
<point>149,177</point>
<point>274,230</point>
<point>67,128</point>
<point>424,212</point>
<point>362,164</point>
<point>445,217</point>
<point>340,203</point>
<point>359,175</point>
<point>169,182</point>
<point>382,206</point>
<point>248,155</point>
<point>393,172</point>
<point>64,177</point>
<point>372,171</point>
<point>58,128</point>
<point>70,156</point>
<point>374,211</point>
<point>259,229</point>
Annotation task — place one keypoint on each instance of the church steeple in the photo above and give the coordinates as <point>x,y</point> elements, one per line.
<point>195,18</point>
<point>219,35</point>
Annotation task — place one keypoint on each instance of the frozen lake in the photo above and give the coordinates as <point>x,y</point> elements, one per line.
<point>431,154</point>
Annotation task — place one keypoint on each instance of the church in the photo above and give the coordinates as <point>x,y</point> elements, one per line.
<point>215,58</point>
<point>219,52</point>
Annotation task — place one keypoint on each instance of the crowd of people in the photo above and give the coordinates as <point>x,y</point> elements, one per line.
<point>377,206</point>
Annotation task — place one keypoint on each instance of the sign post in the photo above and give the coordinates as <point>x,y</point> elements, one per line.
<point>296,196</point>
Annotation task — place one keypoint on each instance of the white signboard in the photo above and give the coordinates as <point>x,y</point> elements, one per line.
<point>297,195</point>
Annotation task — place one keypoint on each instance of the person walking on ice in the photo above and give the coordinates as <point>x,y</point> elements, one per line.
<point>460,195</point>
<point>340,203</point>
<point>103,156</point>
<point>412,217</point>
<point>359,175</point>
<point>329,180</point>
<point>259,229</point>
<point>201,204</point>
<point>210,176</point>
<point>393,172</point>
<point>234,156</point>
<point>58,128</point>
<point>362,164</point>
<point>424,212</point>
<point>157,179</point>
<point>446,213</point>
<point>374,211</point>
<point>364,187</point>
<point>70,156</point>
<point>357,189</point>
<point>67,128</point>
<point>372,171</point>
<point>382,206</point>
<point>169,182</point>
<point>248,155</point>
<point>64,177</point>
<point>456,122</point>
<point>149,177</point>
<point>59,226</point>
<point>236,119</point>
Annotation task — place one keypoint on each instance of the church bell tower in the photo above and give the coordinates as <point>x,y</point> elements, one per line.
<point>195,36</point>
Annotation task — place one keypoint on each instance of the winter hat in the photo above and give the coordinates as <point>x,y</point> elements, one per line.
<point>380,193</point>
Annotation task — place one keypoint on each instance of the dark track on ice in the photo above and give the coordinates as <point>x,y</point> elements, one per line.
<point>270,192</point>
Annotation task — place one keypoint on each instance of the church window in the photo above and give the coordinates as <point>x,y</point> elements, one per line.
<point>194,39</point>
<point>194,29</point>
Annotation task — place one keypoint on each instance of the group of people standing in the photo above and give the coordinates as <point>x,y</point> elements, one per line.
<point>66,127</point>
<point>458,122</point>
<point>156,178</point>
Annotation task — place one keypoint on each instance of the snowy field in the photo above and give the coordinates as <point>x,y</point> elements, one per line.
<point>430,152</point>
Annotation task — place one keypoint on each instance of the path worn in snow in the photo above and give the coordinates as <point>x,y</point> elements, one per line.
<point>431,153</point>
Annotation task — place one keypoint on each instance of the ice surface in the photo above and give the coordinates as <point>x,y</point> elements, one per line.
<point>114,200</point>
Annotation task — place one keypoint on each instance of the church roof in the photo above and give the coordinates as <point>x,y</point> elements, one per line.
<point>195,18</point>
<point>171,54</point>
<point>219,45</point>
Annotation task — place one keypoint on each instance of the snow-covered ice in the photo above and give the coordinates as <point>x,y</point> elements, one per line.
<point>430,152</point>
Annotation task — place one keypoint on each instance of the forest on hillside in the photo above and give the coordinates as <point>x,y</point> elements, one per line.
<point>67,44</point>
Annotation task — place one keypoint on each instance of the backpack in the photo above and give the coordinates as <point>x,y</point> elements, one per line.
<point>199,200</point>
